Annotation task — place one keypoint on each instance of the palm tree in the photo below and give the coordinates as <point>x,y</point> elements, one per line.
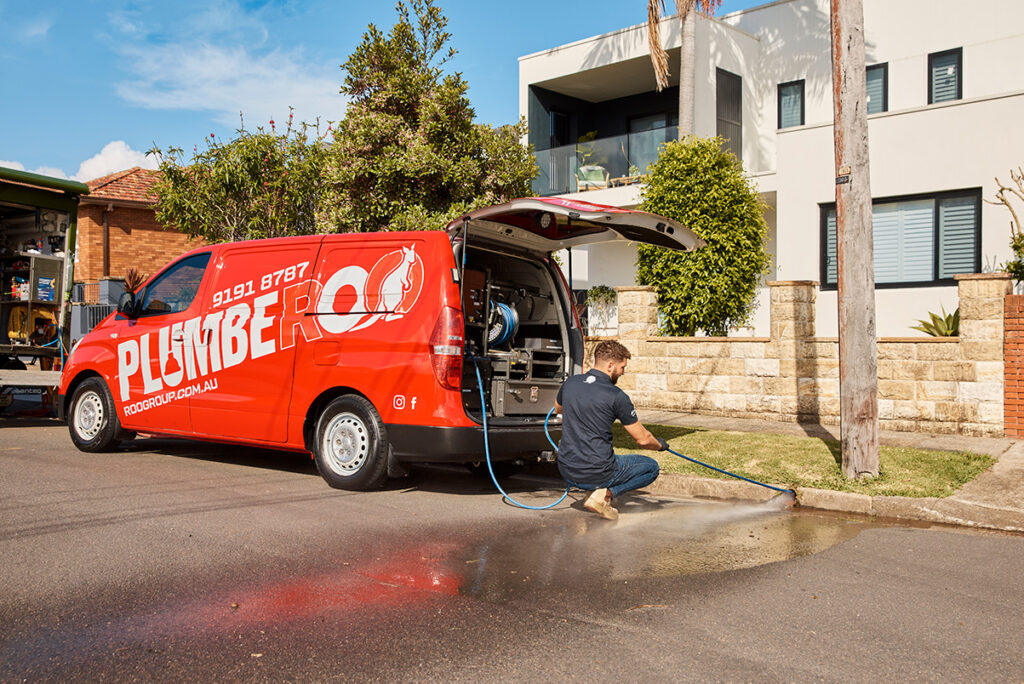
<point>685,9</point>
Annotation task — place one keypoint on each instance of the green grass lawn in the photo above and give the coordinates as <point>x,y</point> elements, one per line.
<point>808,461</point>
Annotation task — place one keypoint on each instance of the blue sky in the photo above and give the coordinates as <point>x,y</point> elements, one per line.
<point>89,86</point>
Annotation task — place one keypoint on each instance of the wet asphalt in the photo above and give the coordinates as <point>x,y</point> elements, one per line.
<point>173,560</point>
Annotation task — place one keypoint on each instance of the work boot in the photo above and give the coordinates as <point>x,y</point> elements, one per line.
<point>601,503</point>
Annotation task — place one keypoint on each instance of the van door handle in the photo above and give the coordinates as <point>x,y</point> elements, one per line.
<point>178,337</point>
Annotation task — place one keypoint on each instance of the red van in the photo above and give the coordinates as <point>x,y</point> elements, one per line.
<point>358,347</point>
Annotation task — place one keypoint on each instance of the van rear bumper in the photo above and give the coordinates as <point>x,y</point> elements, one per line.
<point>429,444</point>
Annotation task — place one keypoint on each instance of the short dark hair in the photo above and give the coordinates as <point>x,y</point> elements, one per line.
<point>610,350</point>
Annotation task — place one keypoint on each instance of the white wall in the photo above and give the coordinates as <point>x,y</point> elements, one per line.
<point>943,147</point>
<point>612,264</point>
<point>915,148</point>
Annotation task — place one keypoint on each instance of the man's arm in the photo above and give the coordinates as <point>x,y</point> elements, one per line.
<point>644,438</point>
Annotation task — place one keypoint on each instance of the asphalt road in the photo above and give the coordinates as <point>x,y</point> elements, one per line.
<point>178,561</point>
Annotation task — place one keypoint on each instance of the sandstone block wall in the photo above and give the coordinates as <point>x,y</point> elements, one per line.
<point>941,385</point>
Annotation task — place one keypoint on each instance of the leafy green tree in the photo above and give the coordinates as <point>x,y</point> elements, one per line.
<point>696,182</point>
<point>407,154</point>
<point>261,184</point>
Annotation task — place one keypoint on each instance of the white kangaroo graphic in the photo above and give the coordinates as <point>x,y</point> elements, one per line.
<point>397,283</point>
<point>393,289</point>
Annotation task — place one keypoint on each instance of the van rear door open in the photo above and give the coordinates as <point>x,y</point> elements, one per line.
<point>550,224</point>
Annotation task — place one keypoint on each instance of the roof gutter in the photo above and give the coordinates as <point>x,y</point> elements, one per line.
<point>39,180</point>
<point>100,200</point>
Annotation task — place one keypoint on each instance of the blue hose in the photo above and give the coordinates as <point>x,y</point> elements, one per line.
<point>726,472</point>
<point>487,453</point>
<point>487,448</point>
<point>509,323</point>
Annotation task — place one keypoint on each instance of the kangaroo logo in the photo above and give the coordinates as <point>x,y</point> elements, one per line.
<point>393,284</point>
<point>389,291</point>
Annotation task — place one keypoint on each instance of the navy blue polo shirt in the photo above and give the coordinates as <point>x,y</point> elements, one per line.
<point>591,403</point>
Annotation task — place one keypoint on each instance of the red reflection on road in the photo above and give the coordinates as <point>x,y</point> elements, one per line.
<point>414,577</point>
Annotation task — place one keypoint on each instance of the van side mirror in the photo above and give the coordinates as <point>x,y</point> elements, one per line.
<point>126,305</point>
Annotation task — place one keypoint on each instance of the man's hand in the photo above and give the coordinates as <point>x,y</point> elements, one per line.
<point>644,438</point>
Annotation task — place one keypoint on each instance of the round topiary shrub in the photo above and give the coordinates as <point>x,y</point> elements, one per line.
<point>696,182</point>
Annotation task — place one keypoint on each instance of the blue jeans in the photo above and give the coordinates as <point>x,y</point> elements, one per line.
<point>632,471</point>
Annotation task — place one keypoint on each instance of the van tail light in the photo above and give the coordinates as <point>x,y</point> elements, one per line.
<point>446,345</point>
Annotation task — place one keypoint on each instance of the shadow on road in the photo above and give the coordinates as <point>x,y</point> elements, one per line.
<point>12,422</point>
<point>255,457</point>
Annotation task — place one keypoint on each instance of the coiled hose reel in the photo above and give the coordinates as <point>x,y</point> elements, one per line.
<point>504,323</point>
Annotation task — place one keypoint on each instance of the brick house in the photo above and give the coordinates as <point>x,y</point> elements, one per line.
<point>117,228</point>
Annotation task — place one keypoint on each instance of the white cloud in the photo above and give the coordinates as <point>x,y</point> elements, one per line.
<point>229,80</point>
<point>37,28</point>
<point>115,156</point>
<point>51,171</point>
<point>43,170</point>
<point>218,60</point>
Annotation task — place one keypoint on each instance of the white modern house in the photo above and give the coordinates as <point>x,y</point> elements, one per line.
<point>946,116</point>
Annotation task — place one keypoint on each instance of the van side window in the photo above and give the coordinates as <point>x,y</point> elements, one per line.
<point>175,288</point>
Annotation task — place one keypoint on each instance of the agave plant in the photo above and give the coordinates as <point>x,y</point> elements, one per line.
<point>946,325</point>
<point>132,280</point>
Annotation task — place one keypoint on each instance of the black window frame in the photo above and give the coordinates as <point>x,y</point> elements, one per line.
<point>884,67</point>
<point>140,311</point>
<point>825,207</point>
<point>557,119</point>
<point>736,147</point>
<point>959,52</point>
<point>803,102</point>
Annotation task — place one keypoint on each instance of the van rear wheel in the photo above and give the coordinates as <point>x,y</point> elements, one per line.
<point>92,420</point>
<point>351,447</point>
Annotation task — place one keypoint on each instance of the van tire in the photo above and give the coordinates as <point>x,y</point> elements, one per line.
<point>92,420</point>
<point>351,445</point>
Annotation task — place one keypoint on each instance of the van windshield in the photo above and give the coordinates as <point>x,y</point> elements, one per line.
<point>175,289</point>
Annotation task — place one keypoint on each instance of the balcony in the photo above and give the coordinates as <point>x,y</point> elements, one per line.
<point>600,163</point>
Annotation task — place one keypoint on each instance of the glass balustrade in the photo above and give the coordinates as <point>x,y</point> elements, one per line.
<point>598,164</point>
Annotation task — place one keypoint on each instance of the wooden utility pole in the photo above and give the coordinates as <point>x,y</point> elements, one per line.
<point>858,356</point>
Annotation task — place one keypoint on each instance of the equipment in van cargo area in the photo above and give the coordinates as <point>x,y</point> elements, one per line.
<point>521,341</point>
<point>360,349</point>
<point>38,220</point>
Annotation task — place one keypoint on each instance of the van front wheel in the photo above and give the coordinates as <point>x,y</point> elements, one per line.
<point>351,448</point>
<point>92,420</point>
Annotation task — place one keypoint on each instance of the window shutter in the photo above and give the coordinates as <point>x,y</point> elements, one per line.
<point>957,228</point>
<point>831,263</point>
<point>791,105</point>
<point>917,225</point>
<point>903,240</point>
<point>729,110</point>
<point>885,221</point>
<point>945,77</point>
<point>876,88</point>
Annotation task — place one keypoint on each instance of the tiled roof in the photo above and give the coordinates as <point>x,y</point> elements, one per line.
<point>133,185</point>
